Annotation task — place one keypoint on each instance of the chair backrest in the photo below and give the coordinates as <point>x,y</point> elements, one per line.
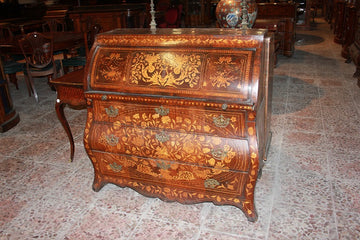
<point>37,49</point>
<point>54,25</point>
<point>162,5</point>
<point>173,16</point>
<point>90,31</point>
<point>6,35</point>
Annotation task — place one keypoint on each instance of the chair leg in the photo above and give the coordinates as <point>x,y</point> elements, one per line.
<point>13,79</point>
<point>31,87</point>
<point>28,85</point>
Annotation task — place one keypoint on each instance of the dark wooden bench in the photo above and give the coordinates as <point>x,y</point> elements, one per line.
<point>283,16</point>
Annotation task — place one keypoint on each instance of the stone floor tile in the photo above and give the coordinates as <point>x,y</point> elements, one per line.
<point>296,222</point>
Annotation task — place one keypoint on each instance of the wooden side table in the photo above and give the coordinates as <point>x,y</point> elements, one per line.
<point>70,92</point>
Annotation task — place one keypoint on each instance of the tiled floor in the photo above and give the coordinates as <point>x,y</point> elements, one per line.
<point>310,188</point>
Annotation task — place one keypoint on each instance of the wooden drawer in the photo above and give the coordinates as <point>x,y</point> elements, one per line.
<point>190,120</point>
<point>202,150</point>
<point>167,173</point>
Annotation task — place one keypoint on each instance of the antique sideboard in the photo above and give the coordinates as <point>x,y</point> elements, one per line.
<point>182,115</point>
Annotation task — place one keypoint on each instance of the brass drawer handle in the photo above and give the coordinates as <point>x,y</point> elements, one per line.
<point>111,111</point>
<point>211,183</point>
<point>112,140</point>
<point>115,167</point>
<point>162,111</point>
<point>163,165</point>
<point>218,154</point>
<point>221,121</point>
<point>162,137</point>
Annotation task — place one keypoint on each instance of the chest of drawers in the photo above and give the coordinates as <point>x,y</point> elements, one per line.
<point>182,115</point>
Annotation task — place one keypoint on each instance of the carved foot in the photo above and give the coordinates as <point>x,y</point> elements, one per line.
<point>98,184</point>
<point>252,218</point>
<point>250,212</point>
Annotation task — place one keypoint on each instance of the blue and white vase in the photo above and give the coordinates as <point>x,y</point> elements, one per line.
<point>229,13</point>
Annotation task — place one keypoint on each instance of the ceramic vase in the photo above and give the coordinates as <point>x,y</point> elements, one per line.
<point>229,13</point>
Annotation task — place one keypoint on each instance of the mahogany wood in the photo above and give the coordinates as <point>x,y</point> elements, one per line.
<point>285,16</point>
<point>349,30</point>
<point>109,17</point>
<point>354,49</point>
<point>69,89</point>
<point>182,115</point>
<point>339,24</point>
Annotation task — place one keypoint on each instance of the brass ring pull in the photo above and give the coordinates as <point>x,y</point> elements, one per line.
<point>112,140</point>
<point>162,111</point>
<point>115,167</point>
<point>111,111</point>
<point>162,137</point>
<point>221,121</point>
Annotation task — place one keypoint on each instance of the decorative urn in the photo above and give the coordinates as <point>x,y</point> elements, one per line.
<point>236,13</point>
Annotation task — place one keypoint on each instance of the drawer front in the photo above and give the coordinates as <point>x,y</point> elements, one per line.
<point>172,174</point>
<point>190,120</point>
<point>222,153</point>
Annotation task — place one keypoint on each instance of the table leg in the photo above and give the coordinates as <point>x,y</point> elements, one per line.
<point>59,107</point>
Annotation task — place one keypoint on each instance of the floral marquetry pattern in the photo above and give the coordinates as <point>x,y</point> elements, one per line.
<point>165,69</point>
<point>179,114</point>
<point>167,117</point>
<point>219,153</point>
<point>226,70</point>
<point>112,67</point>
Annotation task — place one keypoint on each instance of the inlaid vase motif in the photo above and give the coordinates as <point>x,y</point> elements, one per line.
<point>229,13</point>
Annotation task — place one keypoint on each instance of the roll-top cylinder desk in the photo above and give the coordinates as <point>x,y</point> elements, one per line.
<point>180,114</point>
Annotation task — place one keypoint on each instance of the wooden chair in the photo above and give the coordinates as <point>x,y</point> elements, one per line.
<point>10,63</point>
<point>172,18</point>
<point>38,52</point>
<point>79,60</point>
<point>54,25</point>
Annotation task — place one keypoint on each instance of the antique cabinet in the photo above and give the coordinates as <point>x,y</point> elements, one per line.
<point>182,115</point>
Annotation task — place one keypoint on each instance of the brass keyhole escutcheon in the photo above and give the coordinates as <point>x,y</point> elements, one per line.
<point>221,121</point>
<point>112,140</point>
<point>162,111</point>
<point>162,137</point>
<point>111,111</point>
